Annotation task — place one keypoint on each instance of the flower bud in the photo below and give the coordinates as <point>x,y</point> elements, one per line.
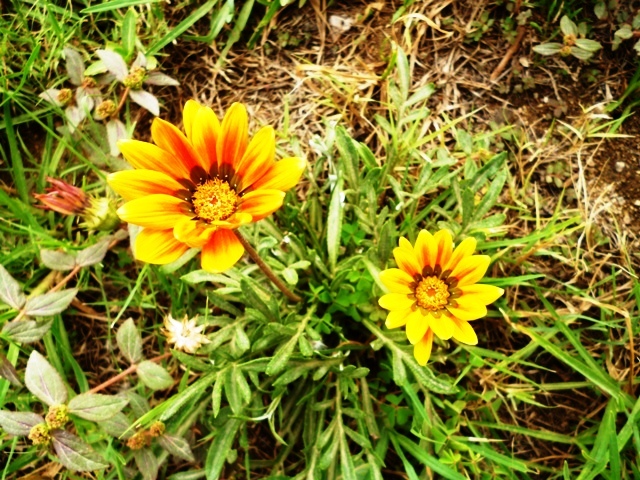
<point>64,96</point>
<point>63,198</point>
<point>139,440</point>
<point>57,416</point>
<point>105,109</point>
<point>100,215</point>
<point>39,434</point>
<point>135,78</point>
<point>566,51</point>
<point>156,429</point>
<point>89,82</point>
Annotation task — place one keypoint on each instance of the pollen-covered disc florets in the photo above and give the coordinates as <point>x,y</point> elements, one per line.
<point>39,434</point>
<point>57,416</point>
<point>432,293</point>
<point>214,200</point>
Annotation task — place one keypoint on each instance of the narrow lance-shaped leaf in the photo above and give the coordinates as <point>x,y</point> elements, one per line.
<point>74,454</point>
<point>44,381</point>
<point>10,290</point>
<point>219,449</point>
<point>50,303</point>
<point>334,223</point>
<point>154,376</point>
<point>96,407</point>
<point>146,100</point>
<point>19,423</point>
<point>129,341</point>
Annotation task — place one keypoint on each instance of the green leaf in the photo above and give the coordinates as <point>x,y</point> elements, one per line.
<point>154,376</point>
<point>8,371</point>
<point>129,31</point>
<point>423,457</point>
<point>220,447</point>
<point>399,372</point>
<point>349,158</point>
<point>147,463</point>
<point>96,407</point>
<point>216,394</point>
<point>281,357</point>
<point>176,446</point>
<point>129,341</point>
<point>44,381</point>
<point>404,73</point>
<point>548,48</point>
<point>50,303</point>
<point>588,45</point>
<point>93,254</point>
<point>10,290</point>
<point>117,426</point>
<point>56,260</point>
<point>334,223</point>
<point>19,423</point>
<point>254,300</point>
<point>115,5</point>
<point>74,454</point>
<point>568,27</point>
<point>26,331</point>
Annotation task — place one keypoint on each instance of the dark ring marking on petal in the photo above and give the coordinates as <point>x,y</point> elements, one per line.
<point>417,278</point>
<point>452,282</point>
<point>198,176</point>
<point>427,271</point>
<point>445,275</point>
<point>437,270</point>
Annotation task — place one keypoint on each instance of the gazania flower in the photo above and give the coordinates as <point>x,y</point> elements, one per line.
<point>192,191</point>
<point>435,291</point>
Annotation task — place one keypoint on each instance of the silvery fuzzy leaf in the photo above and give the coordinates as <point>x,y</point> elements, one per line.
<point>140,61</point>
<point>75,65</point>
<point>93,254</point>
<point>117,426</point>
<point>74,116</point>
<point>44,381</point>
<point>145,100</point>
<point>116,131</point>
<point>56,260</point>
<point>51,96</point>
<point>114,62</point>
<point>176,446</point>
<point>50,303</point>
<point>84,100</point>
<point>26,331</point>
<point>157,78</point>
<point>10,290</point>
<point>154,376</point>
<point>19,423</point>
<point>96,407</point>
<point>147,463</point>
<point>74,454</point>
<point>129,341</point>
<point>8,371</point>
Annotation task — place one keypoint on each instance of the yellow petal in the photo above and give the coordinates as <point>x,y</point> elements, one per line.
<point>169,138</point>
<point>189,113</point>
<point>406,258</point>
<point>132,184</point>
<point>159,212</point>
<point>471,269</point>
<point>222,251</point>
<point>479,293</point>
<point>257,160</point>
<point>424,243</point>
<point>465,249</point>
<point>158,246</point>
<point>442,327</point>
<point>283,175</point>
<point>417,326</point>
<point>397,318</point>
<point>396,280</point>
<point>192,232</point>
<point>147,156</point>
<point>233,138</point>
<point>422,349</point>
<point>261,203</point>
<point>396,301</point>
<point>444,246</point>
<point>463,332</point>
<point>234,221</point>
<point>468,310</point>
<point>205,135</point>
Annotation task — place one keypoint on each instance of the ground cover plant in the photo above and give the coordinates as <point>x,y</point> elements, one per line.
<point>309,240</point>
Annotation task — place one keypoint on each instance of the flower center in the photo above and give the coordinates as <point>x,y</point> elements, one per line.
<point>214,200</point>
<point>432,293</point>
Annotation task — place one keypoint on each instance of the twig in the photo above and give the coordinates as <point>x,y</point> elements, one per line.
<point>522,29</point>
<point>124,373</point>
<point>265,268</point>
<point>66,279</point>
<point>125,94</point>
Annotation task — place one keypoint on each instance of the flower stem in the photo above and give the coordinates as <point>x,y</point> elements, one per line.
<point>132,368</point>
<point>265,268</point>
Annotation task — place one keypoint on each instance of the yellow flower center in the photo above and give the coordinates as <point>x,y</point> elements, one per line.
<point>432,293</point>
<point>214,200</point>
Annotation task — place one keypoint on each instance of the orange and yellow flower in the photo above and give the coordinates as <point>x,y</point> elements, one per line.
<point>191,191</point>
<point>435,290</point>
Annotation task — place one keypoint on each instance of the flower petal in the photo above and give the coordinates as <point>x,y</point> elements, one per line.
<point>143,155</point>
<point>465,249</point>
<point>396,301</point>
<point>396,280</point>
<point>283,175</point>
<point>158,246</point>
<point>234,138</point>
<point>222,251</point>
<point>169,138</point>
<point>444,247</point>
<point>189,112</point>
<point>479,293</point>
<point>257,159</point>
<point>261,203</point>
<point>463,332</point>
<point>422,349</point>
<point>471,269</point>
<point>192,232</point>
<point>205,133</point>
<point>132,184</point>
<point>468,310</point>
<point>397,318</point>
<point>423,247</point>
<point>442,327</point>
<point>159,212</point>
<point>417,326</point>
<point>406,258</point>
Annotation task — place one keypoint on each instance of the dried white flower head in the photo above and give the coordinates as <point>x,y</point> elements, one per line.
<point>185,335</point>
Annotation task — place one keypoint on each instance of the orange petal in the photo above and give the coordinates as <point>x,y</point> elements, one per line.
<point>222,251</point>
<point>234,221</point>
<point>159,212</point>
<point>132,184</point>
<point>471,269</point>
<point>148,156</point>
<point>444,246</point>
<point>424,243</point>
<point>463,332</point>
<point>204,136</point>
<point>234,137</point>
<point>406,258</point>
<point>396,280</point>
<point>284,175</point>
<point>169,138</point>
<point>479,293</point>
<point>396,301</point>
<point>442,327</point>
<point>397,318</point>
<point>189,113</point>
<point>158,246</point>
<point>465,249</point>
<point>422,349</point>
<point>192,232</point>
<point>257,160</point>
<point>417,326</point>
<point>261,203</point>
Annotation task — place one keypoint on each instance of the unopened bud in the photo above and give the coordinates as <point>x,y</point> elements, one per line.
<point>565,51</point>
<point>105,109</point>
<point>100,215</point>
<point>135,78</point>
<point>39,434</point>
<point>156,429</point>
<point>64,96</point>
<point>570,40</point>
<point>139,440</point>
<point>64,198</point>
<point>57,416</point>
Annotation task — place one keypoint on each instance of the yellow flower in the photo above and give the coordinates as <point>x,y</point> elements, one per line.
<point>192,191</point>
<point>435,291</point>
